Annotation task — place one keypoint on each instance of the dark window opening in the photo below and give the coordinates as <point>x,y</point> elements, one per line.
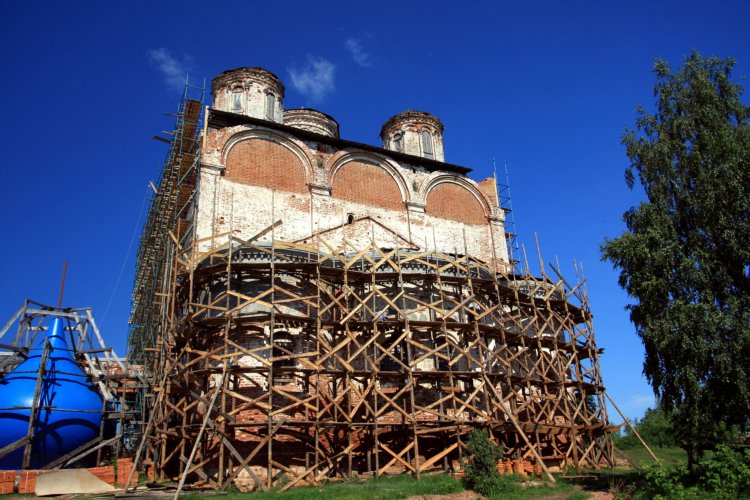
<point>388,363</point>
<point>283,345</point>
<point>237,101</point>
<point>441,364</point>
<point>349,218</point>
<point>269,106</point>
<point>427,144</point>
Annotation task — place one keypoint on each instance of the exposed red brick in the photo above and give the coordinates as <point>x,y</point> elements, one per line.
<point>368,184</point>
<point>455,202</point>
<point>488,188</point>
<point>261,162</point>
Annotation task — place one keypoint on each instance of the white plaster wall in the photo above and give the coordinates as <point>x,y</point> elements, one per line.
<point>253,101</point>
<point>412,144</point>
<point>246,210</point>
<point>224,205</point>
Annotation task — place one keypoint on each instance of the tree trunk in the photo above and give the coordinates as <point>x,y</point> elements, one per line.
<point>691,451</point>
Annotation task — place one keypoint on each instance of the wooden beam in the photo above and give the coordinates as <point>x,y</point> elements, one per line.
<point>197,443</point>
<point>635,431</point>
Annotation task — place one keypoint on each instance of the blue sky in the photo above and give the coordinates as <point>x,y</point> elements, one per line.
<point>547,87</point>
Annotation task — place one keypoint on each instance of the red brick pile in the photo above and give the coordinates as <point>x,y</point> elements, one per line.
<point>24,482</point>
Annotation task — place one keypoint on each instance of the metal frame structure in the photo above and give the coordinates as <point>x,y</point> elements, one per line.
<point>506,203</point>
<point>167,219</point>
<point>98,361</point>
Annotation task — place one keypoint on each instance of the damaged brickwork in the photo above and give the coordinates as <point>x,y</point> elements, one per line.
<point>332,309</point>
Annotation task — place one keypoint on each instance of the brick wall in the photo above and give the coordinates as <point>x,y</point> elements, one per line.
<point>451,201</point>
<point>261,162</point>
<point>317,194</point>
<point>367,184</point>
<point>488,188</point>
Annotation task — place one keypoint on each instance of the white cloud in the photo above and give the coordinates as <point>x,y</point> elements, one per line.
<point>642,401</point>
<point>173,70</point>
<point>314,79</point>
<point>354,46</point>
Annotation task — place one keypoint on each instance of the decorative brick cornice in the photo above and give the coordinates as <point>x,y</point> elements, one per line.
<point>416,207</point>
<point>320,189</point>
<point>212,168</point>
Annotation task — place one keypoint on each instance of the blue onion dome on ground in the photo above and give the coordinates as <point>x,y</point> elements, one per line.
<point>69,407</point>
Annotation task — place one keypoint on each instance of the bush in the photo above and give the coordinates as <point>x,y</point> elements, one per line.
<point>661,482</point>
<point>481,474</point>
<point>725,471</point>
<point>723,474</point>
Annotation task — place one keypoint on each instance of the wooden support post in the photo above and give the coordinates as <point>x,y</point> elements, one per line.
<point>13,446</point>
<point>511,347</point>
<point>209,409</point>
<point>151,422</point>
<point>633,429</point>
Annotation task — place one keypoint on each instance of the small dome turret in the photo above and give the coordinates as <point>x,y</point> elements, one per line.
<point>416,133</point>
<point>250,91</point>
<point>313,121</point>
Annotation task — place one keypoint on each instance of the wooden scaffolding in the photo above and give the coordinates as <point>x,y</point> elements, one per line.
<point>283,364</point>
<point>274,364</point>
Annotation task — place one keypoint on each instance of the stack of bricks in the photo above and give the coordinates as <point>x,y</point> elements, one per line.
<point>522,467</point>
<point>24,482</point>
<point>7,481</point>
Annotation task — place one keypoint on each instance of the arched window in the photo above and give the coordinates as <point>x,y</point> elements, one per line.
<point>270,101</point>
<point>367,183</point>
<point>453,201</point>
<point>266,163</point>
<point>283,346</point>
<point>237,101</point>
<point>397,146</point>
<point>427,144</point>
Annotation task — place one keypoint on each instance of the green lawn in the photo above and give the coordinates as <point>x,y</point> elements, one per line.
<point>384,488</point>
<point>403,486</point>
<point>561,487</point>
<point>398,487</point>
<point>668,456</point>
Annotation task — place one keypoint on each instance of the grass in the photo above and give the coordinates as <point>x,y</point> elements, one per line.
<point>403,486</point>
<point>578,495</point>
<point>627,481</point>
<point>668,456</point>
<point>562,486</point>
<point>384,488</point>
<point>613,480</point>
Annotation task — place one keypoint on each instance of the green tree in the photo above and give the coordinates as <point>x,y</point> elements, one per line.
<point>655,428</point>
<point>685,256</point>
<point>591,404</point>
<point>481,473</point>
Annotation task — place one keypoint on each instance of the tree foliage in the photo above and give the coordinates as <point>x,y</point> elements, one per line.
<point>685,256</point>
<point>655,428</point>
<point>481,473</point>
<point>723,474</point>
